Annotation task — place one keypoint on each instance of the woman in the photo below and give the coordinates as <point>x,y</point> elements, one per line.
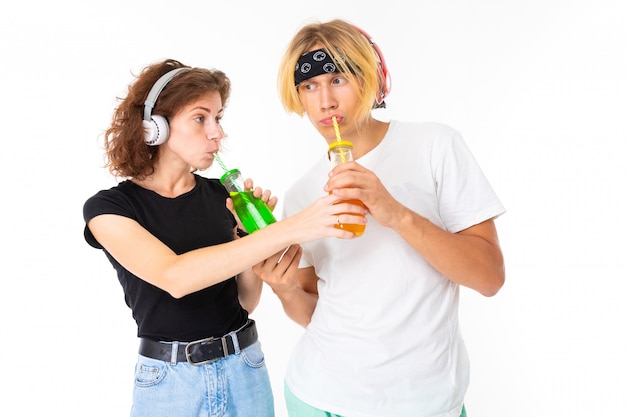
<point>380,312</point>
<point>173,239</point>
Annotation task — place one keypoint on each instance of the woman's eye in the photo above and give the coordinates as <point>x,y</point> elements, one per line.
<point>199,119</point>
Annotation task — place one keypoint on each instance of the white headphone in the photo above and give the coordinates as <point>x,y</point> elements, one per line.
<point>156,129</point>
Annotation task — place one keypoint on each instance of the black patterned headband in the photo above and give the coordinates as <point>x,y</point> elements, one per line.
<point>312,64</point>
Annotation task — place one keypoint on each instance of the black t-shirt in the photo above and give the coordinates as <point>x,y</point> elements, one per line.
<point>196,219</point>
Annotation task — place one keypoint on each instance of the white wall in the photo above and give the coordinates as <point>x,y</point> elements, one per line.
<point>537,87</point>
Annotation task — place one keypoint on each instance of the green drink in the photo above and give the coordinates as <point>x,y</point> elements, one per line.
<point>252,211</point>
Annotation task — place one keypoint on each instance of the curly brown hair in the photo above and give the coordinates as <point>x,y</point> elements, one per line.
<point>127,154</point>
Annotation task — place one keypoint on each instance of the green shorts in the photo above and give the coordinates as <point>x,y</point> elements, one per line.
<point>298,408</point>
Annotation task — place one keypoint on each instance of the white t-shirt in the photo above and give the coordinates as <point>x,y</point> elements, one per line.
<point>384,339</point>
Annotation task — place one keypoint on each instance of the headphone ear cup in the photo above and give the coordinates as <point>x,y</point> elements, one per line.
<point>156,131</point>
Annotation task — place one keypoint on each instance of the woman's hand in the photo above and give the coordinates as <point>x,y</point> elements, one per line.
<point>265,195</point>
<point>319,220</point>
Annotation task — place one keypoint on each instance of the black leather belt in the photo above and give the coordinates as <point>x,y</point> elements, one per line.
<point>201,351</point>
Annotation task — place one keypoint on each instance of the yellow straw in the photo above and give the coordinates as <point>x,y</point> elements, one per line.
<point>336,125</point>
<point>338,136</point>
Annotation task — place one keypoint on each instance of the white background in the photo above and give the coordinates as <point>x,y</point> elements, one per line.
<point>536,87</point>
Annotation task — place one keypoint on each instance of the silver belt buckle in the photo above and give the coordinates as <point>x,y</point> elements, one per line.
<point>208,339</point>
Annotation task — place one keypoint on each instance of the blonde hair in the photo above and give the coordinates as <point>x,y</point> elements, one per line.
<point>351,52</point>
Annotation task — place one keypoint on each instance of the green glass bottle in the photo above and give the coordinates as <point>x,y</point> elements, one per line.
<point>252,211</point>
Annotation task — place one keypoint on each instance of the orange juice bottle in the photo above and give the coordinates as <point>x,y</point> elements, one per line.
<point>341,152</point>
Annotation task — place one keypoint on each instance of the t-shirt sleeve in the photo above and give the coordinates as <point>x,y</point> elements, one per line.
<point>466,197</point>
<point>104,202</point>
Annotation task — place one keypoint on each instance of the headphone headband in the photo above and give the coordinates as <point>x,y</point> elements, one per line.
<point>385,82</point>
<point>158,86</point>
<point>156,128</point>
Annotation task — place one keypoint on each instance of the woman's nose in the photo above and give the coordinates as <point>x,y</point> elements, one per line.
<point>215,132</point>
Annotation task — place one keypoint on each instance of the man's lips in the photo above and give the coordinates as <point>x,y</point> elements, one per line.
<point>329,120</point>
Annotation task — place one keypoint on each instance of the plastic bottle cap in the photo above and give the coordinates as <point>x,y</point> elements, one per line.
<point>342,143</point>
<point>228,174</point>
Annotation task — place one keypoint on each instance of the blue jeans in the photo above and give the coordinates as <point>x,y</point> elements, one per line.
<point>235,386</point>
